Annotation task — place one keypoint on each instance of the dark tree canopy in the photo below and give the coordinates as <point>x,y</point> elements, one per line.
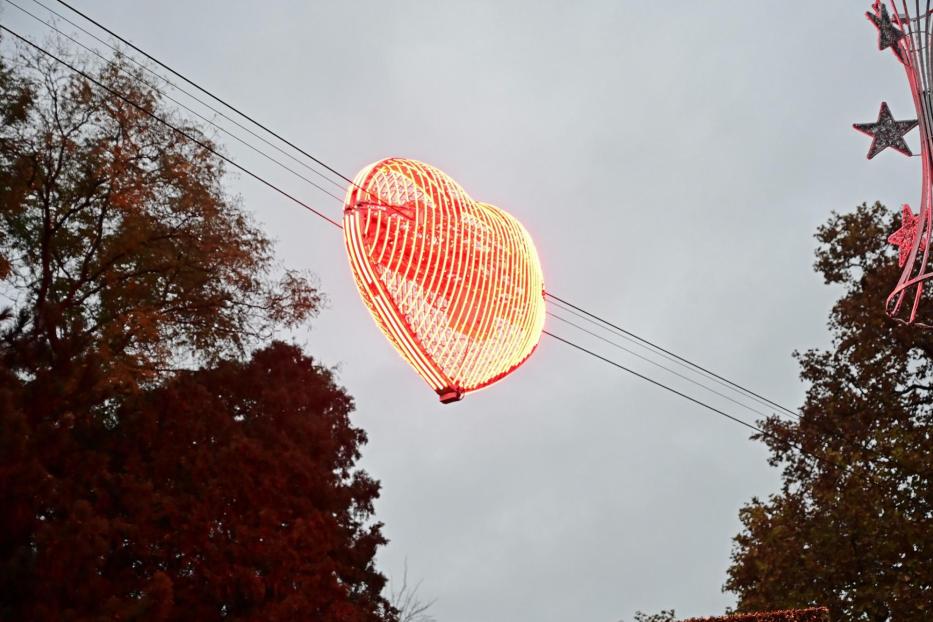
<point>853,531</point>
<point>812,614</point>
<point>665,615</point>
<point>223,493</point>
<point>132,489</point>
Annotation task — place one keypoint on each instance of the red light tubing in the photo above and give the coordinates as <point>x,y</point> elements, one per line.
<point>455,285</point>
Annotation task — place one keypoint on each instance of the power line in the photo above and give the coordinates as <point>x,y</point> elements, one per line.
<point>844,467</point>
<point>205,91</point>
<point>203,145</point>
<point>178,103</point>
<point>174,128</point>
<point>648,348</point>
<point>656,383</point>
<point>207,105</point>
<point>876,456</point>
<point>831,432</point>
<point>669,353</point>
<point>162,78</point>
<point>224,103</point>
<point>656,364</point>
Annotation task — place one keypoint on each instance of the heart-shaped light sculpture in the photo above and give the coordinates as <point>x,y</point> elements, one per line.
<point>454,284</point>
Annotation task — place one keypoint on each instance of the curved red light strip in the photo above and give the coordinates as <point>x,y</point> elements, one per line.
<point>914,54</point>
<point>454,284</point>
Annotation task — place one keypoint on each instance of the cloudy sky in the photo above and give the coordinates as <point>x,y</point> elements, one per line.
<point>672,161</point>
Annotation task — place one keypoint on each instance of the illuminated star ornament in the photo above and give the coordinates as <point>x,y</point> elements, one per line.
<point>889,35</point>
<point>886,132</point>
<point>454,284</point>
<point>905,237</point>
<point>909,36</point>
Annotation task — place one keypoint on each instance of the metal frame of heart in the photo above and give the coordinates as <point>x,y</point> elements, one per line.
<point>454,284</point>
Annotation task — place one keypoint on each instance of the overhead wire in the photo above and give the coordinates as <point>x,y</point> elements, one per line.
<point>645,346</point>
<point>219,100</point>
<point>758,430</point>
<point>171,84</point>
<point>624,334</point>
<point>214,97</point>
<point>182,105</point>
<point>667,352</point>
<point>213,109</point>
<point>174,128</point>
<point>208,148</point>
<point>844,467</point>
<point>656,364</point>
<point>655,382</point>
<point>820,425</point>
<point>207,92</point>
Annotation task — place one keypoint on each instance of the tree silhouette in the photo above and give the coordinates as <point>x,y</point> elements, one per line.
<point>854,529</point>
<point>406,600</point>
<point>665,615</point>
<point>131,489</point>
<point>225,493</point>
<point>811,614</point>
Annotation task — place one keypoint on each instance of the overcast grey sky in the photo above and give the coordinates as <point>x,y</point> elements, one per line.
<point>672,161</point>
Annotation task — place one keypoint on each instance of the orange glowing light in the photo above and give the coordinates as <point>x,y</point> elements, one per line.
<point>454,284</point>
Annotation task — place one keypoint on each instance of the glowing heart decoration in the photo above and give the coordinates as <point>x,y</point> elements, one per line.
<point>454,284</point>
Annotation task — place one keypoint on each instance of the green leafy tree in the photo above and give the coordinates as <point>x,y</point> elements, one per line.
<point>132,489</point>
<point>852,529</point>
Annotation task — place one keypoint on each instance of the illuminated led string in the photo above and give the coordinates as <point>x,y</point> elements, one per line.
<point>914,54</point>
<point>175,86</point>
<point>455,285</point>
<point>373,291</point>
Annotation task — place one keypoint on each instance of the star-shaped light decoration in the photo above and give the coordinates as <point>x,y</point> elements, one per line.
<point>904,237</point>
<point>886,132</point>
<point>889,35</point>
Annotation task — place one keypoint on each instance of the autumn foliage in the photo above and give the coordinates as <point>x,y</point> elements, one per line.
<point>852,526</point>
<point>810,614</point>
<point>161,457</point>
<point>223,491</point>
